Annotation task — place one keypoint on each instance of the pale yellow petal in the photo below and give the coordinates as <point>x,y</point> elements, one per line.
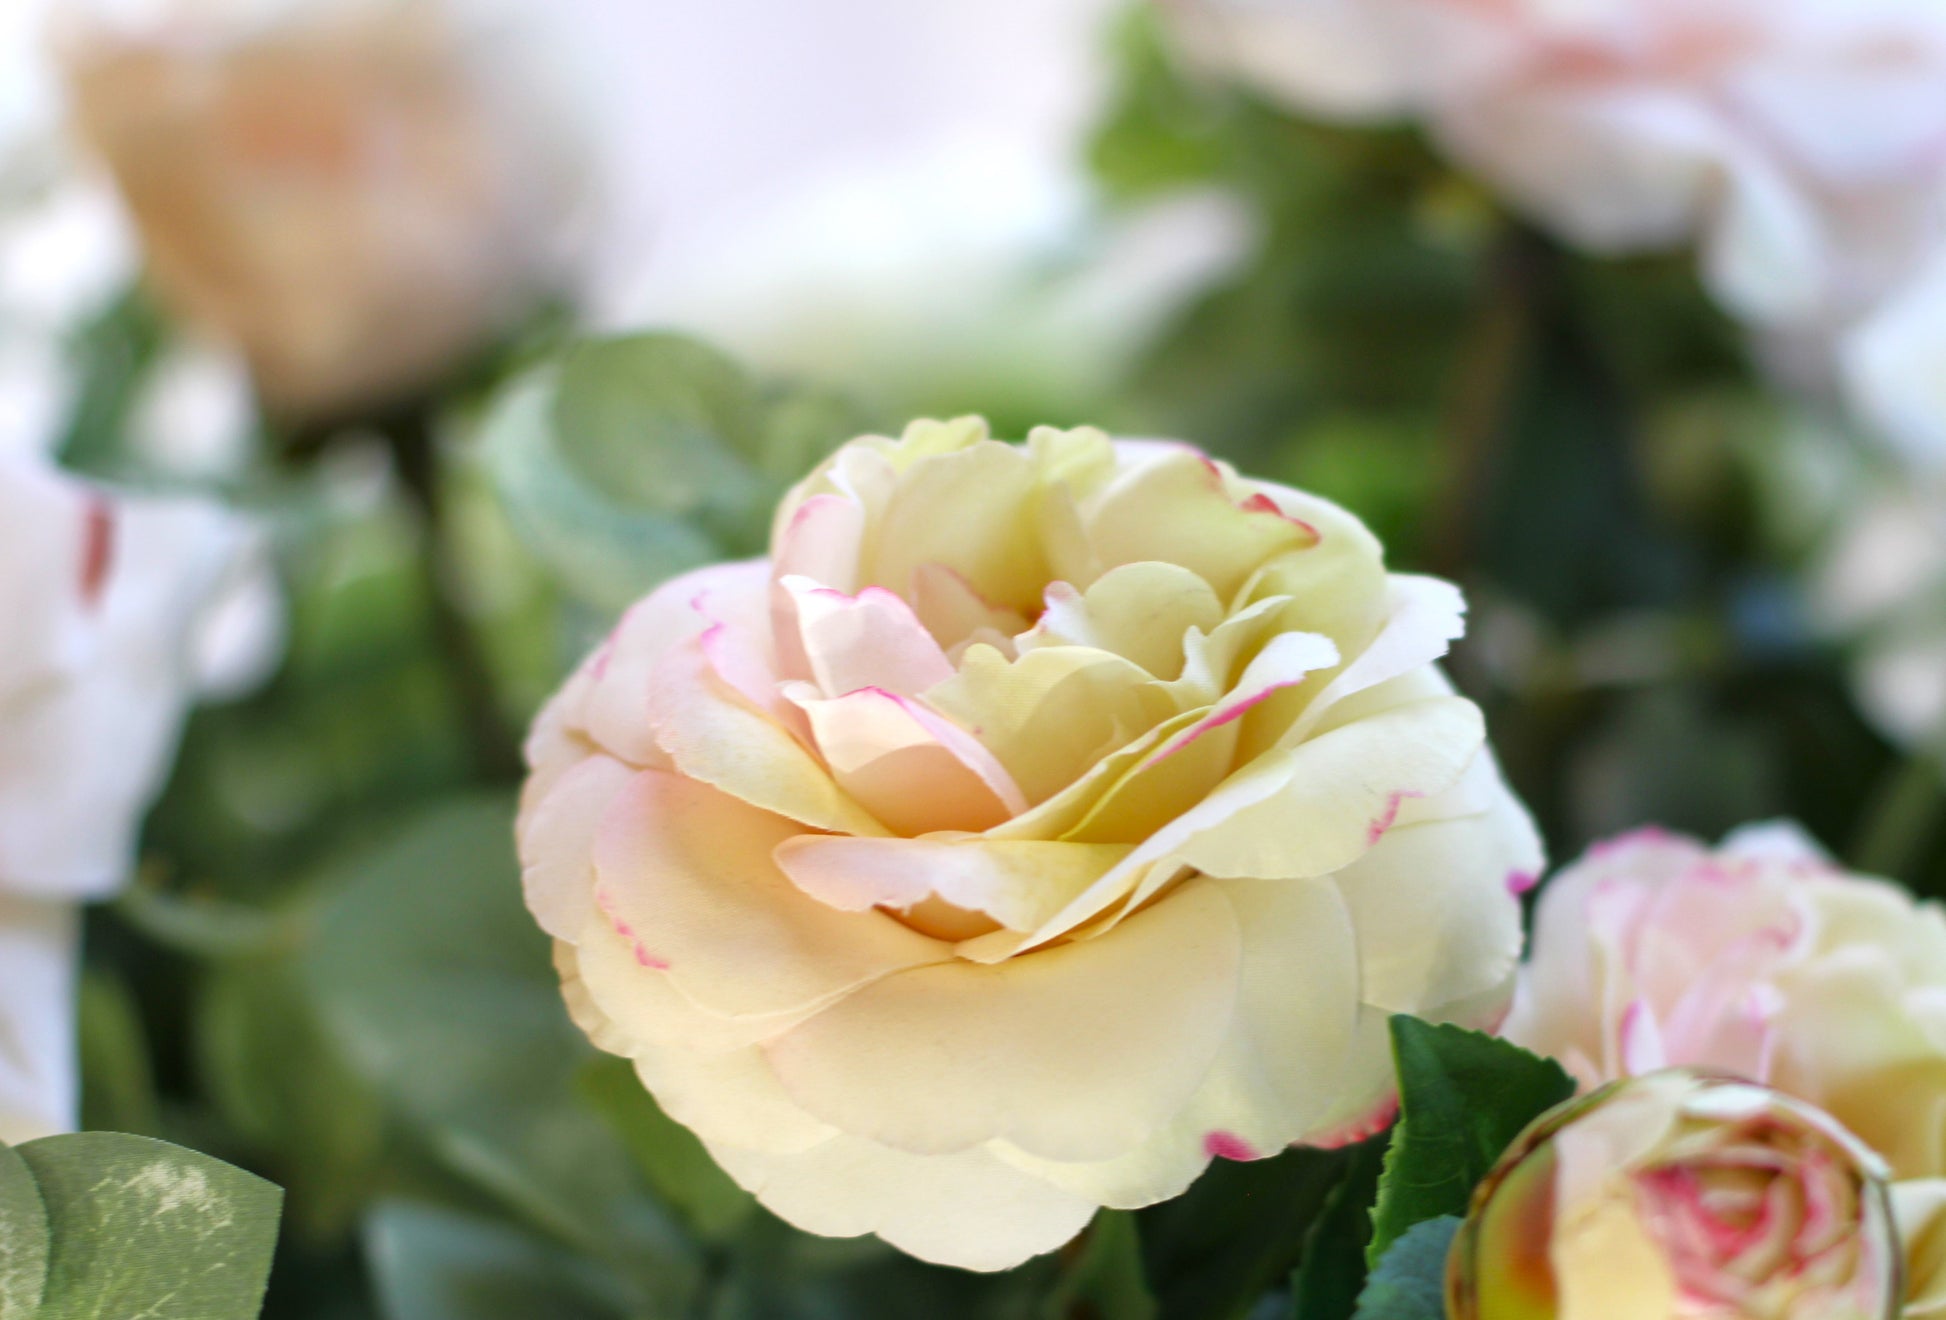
<point>556,836</point>
<point>969,1210</point>
<point>1081,1051</point>
<point>685,873</point>
<point>1019,884</point>
<point>713,735</point>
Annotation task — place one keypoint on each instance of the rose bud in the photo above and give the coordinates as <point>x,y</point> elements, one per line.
<point>1680,1194</point>
<point>356,197</point>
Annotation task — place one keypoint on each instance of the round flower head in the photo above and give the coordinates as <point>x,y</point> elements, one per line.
<point>1763,959</point>
<point>1036,824</point>
<point>1678,1195</point>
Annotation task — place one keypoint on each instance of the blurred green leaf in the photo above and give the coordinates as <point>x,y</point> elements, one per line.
<point>439,986</point>
<point>1463,1097</point>
<point>204,927</point>
<point>434,1264</point>
<point>1410,1282</point>
<point>138,1227</point>
<point>669,1155</point>
<point>1106,1282</point>
<point>633,459</point>
<point>1332,1272</point>
<point>282,1082</point>
<point>117,1084</point>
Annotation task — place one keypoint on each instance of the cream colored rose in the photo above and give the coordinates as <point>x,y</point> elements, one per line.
<point>1679,1195</point>
<point>1035,824</point>
<point>1764,960</point>
<point>109,602</point>
<point>350,194</point>
<point>1797,141</point>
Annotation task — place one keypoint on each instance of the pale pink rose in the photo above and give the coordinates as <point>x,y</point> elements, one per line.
<point>1800,143</point>
<point>107,599</point>
<point>354,195</point>
<point>1035,825</point>
<point>1760,959</point>
<point>1677,1195</point>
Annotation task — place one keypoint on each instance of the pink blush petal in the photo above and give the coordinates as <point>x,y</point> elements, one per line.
<point>1229,1146</point>
<point>1389,817</point>
<point>1522,882</point>
<point>605,901</point>
<point>914,771</point>
<point>871,640</point>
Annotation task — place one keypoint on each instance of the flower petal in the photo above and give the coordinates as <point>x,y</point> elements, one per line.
<point>969,1209</point>
<point>687,871</point>
<point>713,735</point>
<point>912,769</point>
<point>1018,884</point>
<point>1081,1051</point>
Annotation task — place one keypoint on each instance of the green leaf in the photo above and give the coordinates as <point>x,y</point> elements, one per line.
<point>635,458</point>
<point>669,1155</point>
<point>1463,1097</point>
<point>117,1087</point>
<point>602,550</point>
<point>1106,1281</point>
<point>1332,1272</point>
<point>139,1227</point>
<point>23,1239</point>
<point>281,1080</point>
<point>1213,1252</point>
<point>1410,1282</point>
<point>434,1264</point>
<point>440,989</point>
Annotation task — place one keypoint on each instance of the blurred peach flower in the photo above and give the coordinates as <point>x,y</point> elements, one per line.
<point>110,602</point>
<point>1036,825</point>
<point>1800,143</point>
<point>1761,959</point>
<point>354,196</point>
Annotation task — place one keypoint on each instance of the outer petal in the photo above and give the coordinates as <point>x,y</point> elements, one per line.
<point>1075,1052</point>
<point>969,1209</point>
<point>1314,809</point>
<point>557,841</point>
<point>1288,1060</point>
<point>615,708</point>
<point>1436,909</point>
<point>686,871</point>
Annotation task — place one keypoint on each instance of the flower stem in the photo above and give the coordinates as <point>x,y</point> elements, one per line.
<point>491,744</point>
<point>1492,356</point>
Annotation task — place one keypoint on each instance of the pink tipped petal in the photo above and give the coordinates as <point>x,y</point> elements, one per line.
<point>1229,1146</point>
<point>913,770</point>
<point>871,640</point>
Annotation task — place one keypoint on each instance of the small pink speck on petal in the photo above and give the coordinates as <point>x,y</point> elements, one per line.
<point>599,668</point>
<point>1522,882</point>
<point>1388,817</point>
<point>649,960</point>
<point>1229,1146</point>
<point>97,549</point>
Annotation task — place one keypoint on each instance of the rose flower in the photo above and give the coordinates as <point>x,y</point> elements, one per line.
<point>1035,824</point>
<point>1678,1195</point>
